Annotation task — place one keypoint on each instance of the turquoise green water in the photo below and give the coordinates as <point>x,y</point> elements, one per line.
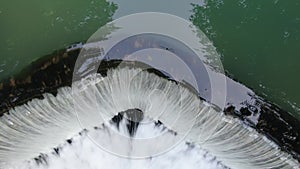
<point>260,44</point>
<point>31,29</point>
<point>258,40</point>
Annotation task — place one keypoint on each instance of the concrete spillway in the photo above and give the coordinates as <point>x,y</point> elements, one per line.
<point>40,125</point>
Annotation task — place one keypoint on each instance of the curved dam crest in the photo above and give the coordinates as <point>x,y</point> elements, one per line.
<point>54,71</point>
<point>210,129</point>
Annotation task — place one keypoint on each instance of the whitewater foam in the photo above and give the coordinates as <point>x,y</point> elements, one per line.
<point>82,152</point>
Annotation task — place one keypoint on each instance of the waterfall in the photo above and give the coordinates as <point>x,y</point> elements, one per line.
<point>81,152</point>
<point>42,124</point>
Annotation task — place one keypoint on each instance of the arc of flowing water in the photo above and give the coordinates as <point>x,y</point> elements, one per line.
<point>40,125</point>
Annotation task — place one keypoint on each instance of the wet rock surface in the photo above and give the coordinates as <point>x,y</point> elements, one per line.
<point>43,76</point>
<point>275,123</point>
<point>132,116</point>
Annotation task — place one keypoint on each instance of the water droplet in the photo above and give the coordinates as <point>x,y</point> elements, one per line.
<point>286,34</point>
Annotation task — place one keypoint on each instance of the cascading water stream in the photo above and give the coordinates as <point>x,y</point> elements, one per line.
<point>40,125</point>
<point>81,152</point>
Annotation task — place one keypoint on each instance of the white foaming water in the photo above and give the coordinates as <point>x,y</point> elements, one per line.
<point>40,125</point>
<point>85,154</point>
